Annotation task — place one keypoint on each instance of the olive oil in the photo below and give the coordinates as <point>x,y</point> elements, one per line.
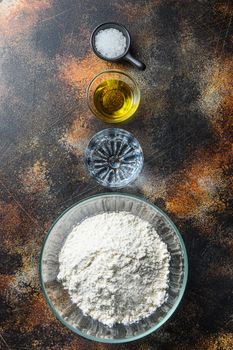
<point>114,100</point>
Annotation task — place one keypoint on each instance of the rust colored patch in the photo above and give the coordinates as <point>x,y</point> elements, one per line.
<point>154,187</point>
<point>10,217</point>
<point>18,16</point>
<point>199,187</point>
<point>217,92</point>
<point>76,138</point>
<point>26,279</point>
<point>78,135</point>
<point>223,341</point>
<point>78,73</point>
<point>5,281</point>
<point>35,179</point>
<point>224,8</point>
<point>82,344</point>
<point>79,131</point>
<point>16,227</point>
<point>38,314</point>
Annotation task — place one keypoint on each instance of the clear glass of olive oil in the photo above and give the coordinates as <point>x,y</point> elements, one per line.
<point>113,96</point>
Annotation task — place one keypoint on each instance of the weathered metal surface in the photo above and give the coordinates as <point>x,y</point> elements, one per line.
<point>184,126</point>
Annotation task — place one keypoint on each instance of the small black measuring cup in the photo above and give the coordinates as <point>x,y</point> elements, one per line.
<point>127,56</point>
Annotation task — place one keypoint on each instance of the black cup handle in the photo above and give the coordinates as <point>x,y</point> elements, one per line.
<point>138,64</point>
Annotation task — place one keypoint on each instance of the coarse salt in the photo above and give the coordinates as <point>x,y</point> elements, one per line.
<point>110,43</point>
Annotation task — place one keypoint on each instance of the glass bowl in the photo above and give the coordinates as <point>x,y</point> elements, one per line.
<point>58,299</point>
<point>114,157</point>
<point>113,96</point>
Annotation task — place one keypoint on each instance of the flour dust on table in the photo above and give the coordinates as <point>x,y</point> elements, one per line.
<point>115,267</point>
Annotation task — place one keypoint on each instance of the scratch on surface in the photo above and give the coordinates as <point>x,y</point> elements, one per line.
<point>4,342</point>
<point>223,20</point>
<point>61,117</point>
<point>86,190</point>
<point>54,16</point>
<point>226,34</point>
<point>200,18</point>
<point>4,149</point>
<point>61,25</point>
<point>170,147</point>
<point>19,16</point>
<point>19,205</point>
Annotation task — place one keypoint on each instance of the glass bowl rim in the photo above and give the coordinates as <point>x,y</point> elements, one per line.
<point>170,312</point>
<point>107,71</point>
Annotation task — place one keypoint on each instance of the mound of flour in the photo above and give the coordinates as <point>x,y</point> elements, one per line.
<point>115,268</point>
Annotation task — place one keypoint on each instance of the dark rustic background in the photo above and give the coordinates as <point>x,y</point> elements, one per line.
<point>183,125</point>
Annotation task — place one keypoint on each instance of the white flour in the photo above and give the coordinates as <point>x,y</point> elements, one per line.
<point>115,267</point>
